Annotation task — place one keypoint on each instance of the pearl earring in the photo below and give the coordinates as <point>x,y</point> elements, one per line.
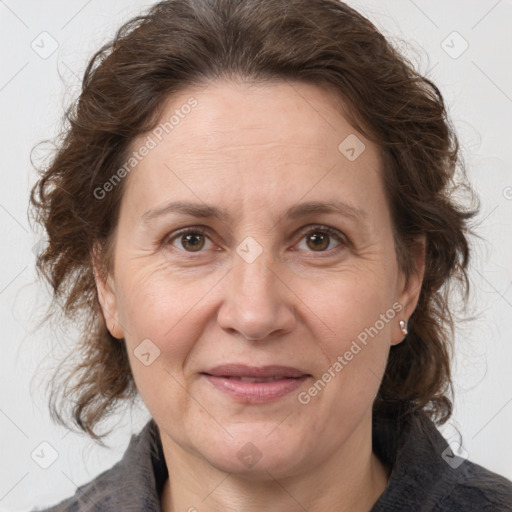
<point>403,327</point>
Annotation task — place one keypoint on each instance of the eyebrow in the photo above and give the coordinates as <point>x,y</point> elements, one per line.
<point>298,211</point>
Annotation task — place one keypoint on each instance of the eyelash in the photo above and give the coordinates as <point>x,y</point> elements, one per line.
<point>331,232</point>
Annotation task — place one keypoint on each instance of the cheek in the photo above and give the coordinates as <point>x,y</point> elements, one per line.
<point>351,302</point>
<point>161,324</point>
<point>357,314</point>
<point>166,310</point>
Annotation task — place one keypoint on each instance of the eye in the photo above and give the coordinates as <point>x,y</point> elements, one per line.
<point>317,239</point>
<point>320,238</point>
<point>191,240</point>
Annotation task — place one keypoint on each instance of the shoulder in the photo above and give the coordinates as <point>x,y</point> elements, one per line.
<point>426,475</point>
<point>134,483</point>
<point>93,496</point>
<point>475,487</point>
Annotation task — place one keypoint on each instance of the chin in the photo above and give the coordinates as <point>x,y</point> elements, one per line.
<point>256,455</point>
<point>258,467</point>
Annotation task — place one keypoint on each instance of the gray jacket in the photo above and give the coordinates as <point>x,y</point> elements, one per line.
<point>426,476</point>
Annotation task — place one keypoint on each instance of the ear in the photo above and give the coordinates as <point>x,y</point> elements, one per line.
<point>409,288</point>
<point>106,294</point>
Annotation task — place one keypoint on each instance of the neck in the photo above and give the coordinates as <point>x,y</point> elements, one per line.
<point>351,479</point>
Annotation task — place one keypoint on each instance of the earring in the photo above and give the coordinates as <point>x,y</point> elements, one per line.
<point>403,327</point>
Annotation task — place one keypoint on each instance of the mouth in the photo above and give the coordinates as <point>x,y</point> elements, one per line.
<point>250,384</point>
<point>256,379</point>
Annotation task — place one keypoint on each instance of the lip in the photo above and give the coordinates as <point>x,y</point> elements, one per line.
<point>227,378</point>
<point>242,370</point>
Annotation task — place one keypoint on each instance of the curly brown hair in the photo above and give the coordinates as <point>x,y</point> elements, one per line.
<point>183,43</point>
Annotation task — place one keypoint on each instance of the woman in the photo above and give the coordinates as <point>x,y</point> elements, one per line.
<point>251,213</point>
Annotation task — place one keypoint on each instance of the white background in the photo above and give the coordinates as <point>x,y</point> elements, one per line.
<point>478,89</point>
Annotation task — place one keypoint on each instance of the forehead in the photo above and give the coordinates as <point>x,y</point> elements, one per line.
<point>235,112</point>
<point>262,140</point>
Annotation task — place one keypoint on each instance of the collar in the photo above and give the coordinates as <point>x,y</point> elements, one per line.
<point>425,476</point>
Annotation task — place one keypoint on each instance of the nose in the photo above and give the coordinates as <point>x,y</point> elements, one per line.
<point>257,301</point>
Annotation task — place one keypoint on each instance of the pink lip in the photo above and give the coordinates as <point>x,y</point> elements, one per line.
<point>226,378</point>
<point>242,370</point>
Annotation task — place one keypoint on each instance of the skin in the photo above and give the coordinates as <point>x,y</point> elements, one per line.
<point>255,151</point>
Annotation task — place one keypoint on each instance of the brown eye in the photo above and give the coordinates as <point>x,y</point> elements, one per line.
<point>192,242</point>
<point>320,239</point>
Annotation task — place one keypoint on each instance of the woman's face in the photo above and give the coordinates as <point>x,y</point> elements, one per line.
<point>286,270</point>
